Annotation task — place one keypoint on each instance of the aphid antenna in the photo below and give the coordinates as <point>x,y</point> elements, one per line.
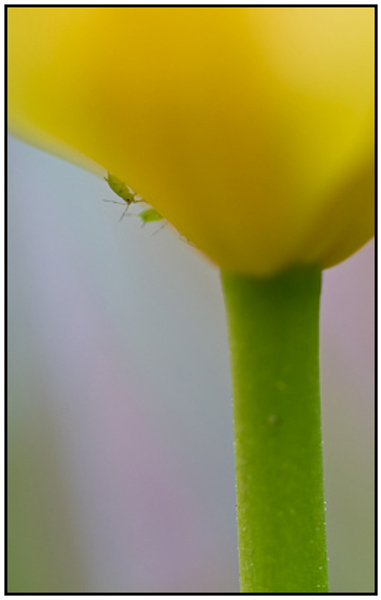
<point>114,202</point>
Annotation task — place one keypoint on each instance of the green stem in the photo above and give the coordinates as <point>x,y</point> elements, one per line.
<point>274,342</point>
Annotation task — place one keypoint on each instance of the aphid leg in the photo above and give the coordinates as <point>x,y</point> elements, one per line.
<point>124,212</point>
<point>160,228</point>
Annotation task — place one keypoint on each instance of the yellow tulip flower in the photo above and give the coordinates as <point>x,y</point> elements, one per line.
<point>249,129</point>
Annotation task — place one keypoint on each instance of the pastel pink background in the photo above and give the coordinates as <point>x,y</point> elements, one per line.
<point>121,473</point>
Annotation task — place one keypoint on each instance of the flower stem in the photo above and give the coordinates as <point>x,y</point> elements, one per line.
<point>273,329</point>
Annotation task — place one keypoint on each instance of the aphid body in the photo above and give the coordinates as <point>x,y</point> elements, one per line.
<point>120,189</point>
<point>149,215</point>
<point>129,197</point>
<point>123,191</point>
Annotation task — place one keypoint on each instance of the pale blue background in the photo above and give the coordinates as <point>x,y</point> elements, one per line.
<point>121,474</point>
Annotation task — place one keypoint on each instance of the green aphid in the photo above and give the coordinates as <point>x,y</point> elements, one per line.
<point>149,215</point>
<point>120,188</point>
<point>129,197</point>
<point>123,191</point>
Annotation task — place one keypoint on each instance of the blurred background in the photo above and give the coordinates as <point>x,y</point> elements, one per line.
<point>120,439</point>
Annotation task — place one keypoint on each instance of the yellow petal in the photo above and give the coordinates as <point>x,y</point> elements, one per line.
<point>250,129</point>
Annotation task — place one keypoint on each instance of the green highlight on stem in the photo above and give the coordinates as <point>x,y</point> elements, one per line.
<point>273,327</point>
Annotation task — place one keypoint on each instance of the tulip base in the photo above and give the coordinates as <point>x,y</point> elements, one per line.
<point>273,327</point>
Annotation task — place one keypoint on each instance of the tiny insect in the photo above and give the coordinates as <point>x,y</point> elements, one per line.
<point>128,196</point>
<point>123,191</point>
<point>149,215</point>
